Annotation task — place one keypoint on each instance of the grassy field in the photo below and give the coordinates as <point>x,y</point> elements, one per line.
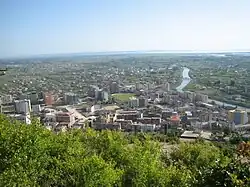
<point>192,87</point>
<point>123,96</point>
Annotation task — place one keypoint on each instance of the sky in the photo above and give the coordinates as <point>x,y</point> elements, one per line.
<point>30,27</point>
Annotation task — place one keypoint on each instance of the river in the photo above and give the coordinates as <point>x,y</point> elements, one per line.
<point>186,80</point>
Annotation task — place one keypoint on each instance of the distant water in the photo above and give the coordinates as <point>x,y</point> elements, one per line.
<point>172,52</point>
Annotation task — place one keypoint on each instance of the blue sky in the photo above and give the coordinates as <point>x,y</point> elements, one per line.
<point>30,27</point>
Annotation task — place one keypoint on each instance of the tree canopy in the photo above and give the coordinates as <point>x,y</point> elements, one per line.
<point>31,155</point>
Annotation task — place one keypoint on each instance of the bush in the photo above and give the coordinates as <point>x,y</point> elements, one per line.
<point>30,155</point>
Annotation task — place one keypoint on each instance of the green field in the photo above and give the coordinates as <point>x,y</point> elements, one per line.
<point>192,87</point>
<point>122,96</point>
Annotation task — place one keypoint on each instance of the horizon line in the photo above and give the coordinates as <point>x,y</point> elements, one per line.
<point>126,52</point>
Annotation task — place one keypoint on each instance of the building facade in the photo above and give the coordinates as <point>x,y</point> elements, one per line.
<point>22,106</point>
<point>133,102</point>
<point>24,118</point>
<point>92,90</point>
<point>114,88</point>
<point>142,102</point>
<point>6,99</point>
<point>201,97</point>
<point>33,98</point>
<point>167,86</point>
<point>48,99</point>
<point>65,118</point>
<point>238,117</point>
<point>70,98</point>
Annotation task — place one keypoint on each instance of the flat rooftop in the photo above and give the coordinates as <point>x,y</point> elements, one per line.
<point>190,134</point>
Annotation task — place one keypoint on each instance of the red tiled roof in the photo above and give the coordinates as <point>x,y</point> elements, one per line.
<point>175,118</point>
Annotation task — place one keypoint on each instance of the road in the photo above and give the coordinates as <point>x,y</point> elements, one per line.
<point>227,104</point>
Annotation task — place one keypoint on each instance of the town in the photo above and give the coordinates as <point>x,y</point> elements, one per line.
<point>129,92</point>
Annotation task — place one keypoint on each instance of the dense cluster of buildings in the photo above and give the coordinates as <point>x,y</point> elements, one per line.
<point>153,105</point>
<point>162,110</point>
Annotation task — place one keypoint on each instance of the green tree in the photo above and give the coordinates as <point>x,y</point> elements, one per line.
<point>202,154</point>
<point>31,155</point>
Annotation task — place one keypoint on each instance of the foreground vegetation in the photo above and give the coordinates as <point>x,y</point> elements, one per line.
<point>33,156</point>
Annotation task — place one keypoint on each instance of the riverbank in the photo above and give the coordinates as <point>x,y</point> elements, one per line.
<point>186,80</point>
